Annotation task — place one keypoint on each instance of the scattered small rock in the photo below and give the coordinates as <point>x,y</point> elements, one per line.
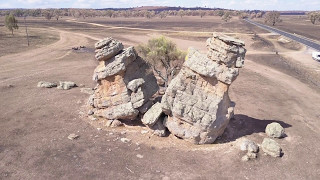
<point>249,146</point>
<point>73,136</point>
<point>65,85</point>
<point>275,130</point>
<point>139,156</point>
<point>271,147</point>
<point>245,158</point>
<point>123,133</point>
<point>125,140</point>
<point>116,123</point>
<point>252,155</point>
<point>249,155</point>
<point>98,129</point>
<point>144,131</point>
<point>44,84</point>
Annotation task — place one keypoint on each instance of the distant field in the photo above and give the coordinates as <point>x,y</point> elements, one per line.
<point>205,24</point>
<point>300,25</point>
<point>38,37</point>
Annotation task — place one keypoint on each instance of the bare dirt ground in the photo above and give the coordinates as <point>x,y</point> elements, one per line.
<point>35,122</point>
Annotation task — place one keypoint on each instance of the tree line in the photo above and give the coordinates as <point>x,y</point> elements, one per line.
<point>87,13</point>
<point>225,15</point>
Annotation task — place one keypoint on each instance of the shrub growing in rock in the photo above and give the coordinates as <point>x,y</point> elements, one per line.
<point>163,56</point>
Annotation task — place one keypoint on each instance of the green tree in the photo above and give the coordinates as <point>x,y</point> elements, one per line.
<point>163,56</point>
<point>272,17</point>
<point>11,23</point>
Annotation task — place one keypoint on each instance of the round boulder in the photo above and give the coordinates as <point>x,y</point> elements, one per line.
<point>275,130</point>
<point>271,147</point>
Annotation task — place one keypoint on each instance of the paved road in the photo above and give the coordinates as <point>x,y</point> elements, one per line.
<point>302,40</point>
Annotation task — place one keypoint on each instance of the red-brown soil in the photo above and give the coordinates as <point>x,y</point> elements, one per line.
<point>36,122</point>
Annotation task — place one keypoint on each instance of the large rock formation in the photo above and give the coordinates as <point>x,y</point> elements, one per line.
<point>197,100</point>
<point>121,77</point>
<point>195,106</point>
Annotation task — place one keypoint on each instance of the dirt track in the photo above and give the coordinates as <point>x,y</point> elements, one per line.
<point>35,124</point>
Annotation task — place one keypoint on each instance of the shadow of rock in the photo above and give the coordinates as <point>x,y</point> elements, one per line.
<point>242,125</point>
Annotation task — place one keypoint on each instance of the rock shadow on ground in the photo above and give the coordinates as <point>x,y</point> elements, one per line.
<point>243,125</point>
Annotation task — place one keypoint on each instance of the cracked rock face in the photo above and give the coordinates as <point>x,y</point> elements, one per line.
<point>197,100</point>
<point>120,77</point>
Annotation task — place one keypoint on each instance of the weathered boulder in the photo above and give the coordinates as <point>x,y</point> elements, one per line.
<point>65,85</point>
<point>271,147</point>
<point>204,66</point>
<point>275,130</point>
<point>107,48</point>
<point>152,115</point>
<point>120,78</point>
<point>44,84</point>
<point>115,65</point>
<point>197,100</point>
<point>121,111</point>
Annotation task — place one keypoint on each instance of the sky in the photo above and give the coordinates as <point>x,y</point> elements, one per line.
<point>309,5</point>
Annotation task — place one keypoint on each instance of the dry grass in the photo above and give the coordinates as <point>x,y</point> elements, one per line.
<point>18,42</point>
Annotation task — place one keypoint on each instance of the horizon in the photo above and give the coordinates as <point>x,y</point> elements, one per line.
<point>278,5</point>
